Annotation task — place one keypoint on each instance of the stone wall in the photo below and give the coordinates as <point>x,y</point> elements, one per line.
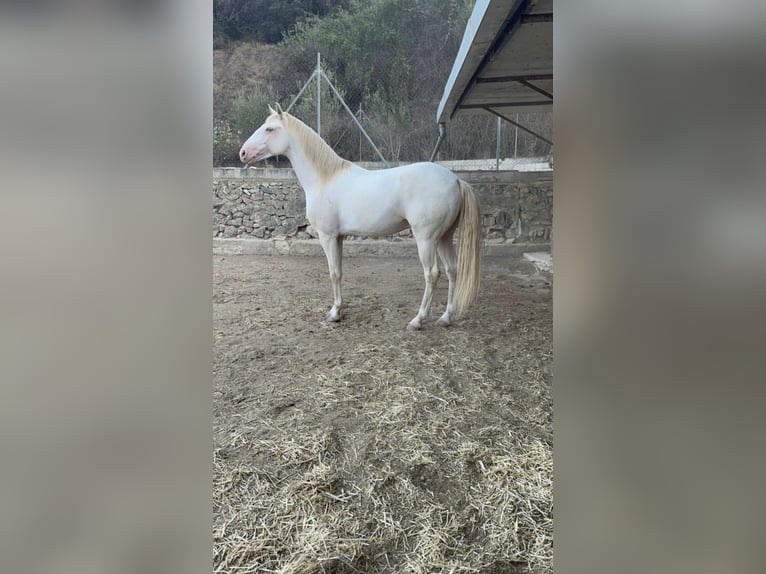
<point>270,204</point>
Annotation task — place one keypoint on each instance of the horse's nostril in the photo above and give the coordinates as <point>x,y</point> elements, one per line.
<point>242,153</point>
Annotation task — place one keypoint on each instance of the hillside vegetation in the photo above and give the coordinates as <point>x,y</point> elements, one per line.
<point>389,59</point>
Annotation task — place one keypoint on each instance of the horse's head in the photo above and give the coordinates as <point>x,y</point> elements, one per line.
<point>268,140</point>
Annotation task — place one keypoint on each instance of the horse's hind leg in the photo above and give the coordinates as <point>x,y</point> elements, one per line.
<point>446,250</point>
<point>333,249</point>
<point>427,252</point>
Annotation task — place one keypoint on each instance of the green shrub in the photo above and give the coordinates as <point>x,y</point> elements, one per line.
<point>225,145</point>
<point>248,111</point>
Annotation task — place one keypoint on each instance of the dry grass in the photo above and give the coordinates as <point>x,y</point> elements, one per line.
<point>412,454</point>
<point>240,66</point>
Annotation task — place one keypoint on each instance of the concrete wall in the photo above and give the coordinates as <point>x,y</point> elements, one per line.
<point>270,204</point>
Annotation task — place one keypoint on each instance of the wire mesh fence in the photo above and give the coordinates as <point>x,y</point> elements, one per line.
<point>390,78</point>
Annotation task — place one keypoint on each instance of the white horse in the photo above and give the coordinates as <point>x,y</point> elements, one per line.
<point>345,199</point>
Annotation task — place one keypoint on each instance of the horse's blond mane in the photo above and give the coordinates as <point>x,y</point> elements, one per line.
<point>318,152</point>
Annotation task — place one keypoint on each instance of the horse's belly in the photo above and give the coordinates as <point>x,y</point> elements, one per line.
<point>355,219</point>
<point>374,224</point>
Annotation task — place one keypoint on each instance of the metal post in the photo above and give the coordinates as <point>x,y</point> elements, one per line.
<point>516,138</point>
<point>360,133</point>
<point>439,140</point>
<point>319,95</point>
<point>498,134</point>
<point>303,89</point>
<point>519,126</point>
<point>353,116</point>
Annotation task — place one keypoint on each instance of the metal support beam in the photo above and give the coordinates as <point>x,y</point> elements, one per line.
<point>504,105</point>
<point>536,18</point>
<point>521,127</point>
<point>539,90</point>
<point>303,89</point>
<point>353,116</point>
<point>442,135</point>
<point>516,78</point>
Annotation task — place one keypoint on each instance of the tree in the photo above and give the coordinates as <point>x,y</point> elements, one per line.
<point>264,20</point>
<point>390,58</point>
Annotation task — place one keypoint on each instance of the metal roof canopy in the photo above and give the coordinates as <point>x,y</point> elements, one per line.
<point>505,62</point>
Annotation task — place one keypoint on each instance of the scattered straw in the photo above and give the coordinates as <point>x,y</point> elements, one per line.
<point>401,453</point>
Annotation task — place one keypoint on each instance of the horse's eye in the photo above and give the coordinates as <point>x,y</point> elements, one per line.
<point>269,129</point>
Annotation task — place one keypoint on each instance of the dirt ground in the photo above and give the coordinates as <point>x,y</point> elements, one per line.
<point>363,447</point>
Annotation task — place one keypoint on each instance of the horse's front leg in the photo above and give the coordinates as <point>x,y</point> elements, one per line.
<point>333,249</point>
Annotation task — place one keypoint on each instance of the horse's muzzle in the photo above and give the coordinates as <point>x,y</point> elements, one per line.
<point>249,157</point>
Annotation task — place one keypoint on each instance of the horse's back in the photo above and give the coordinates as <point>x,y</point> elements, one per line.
<point>378,202</point>
<point>426,173</point>
<point>429,184</point>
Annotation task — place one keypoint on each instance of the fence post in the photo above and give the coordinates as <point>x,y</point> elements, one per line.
<point>516,139</point>
<point>497,142</point>
<point>319,95</point>
<point>353,116</point>
<point>360,133</point>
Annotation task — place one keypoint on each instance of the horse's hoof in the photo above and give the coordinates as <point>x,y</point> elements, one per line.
<point>332,317</point>
<point>413,326</point>
<point>442,322</point>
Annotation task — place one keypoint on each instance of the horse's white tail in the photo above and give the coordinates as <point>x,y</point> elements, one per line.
<point>469,249</point>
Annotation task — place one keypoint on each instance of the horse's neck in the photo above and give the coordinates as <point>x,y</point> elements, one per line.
<point>308,176</point>
<point>311,177</point>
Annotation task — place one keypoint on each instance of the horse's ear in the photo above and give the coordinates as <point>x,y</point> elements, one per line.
<point>271,110</point>
<point>279,109</point>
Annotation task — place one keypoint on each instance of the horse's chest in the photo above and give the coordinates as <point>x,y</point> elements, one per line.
<point>321,213</point>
